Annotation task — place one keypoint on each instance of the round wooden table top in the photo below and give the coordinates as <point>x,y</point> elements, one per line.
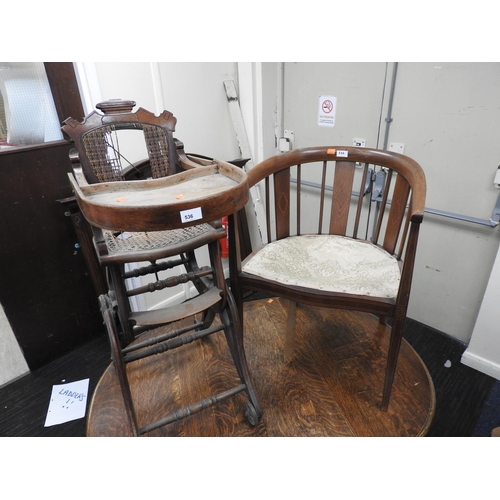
<point>333,386</point>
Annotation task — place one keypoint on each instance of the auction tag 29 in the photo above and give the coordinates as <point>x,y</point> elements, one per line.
<point>191,215</point>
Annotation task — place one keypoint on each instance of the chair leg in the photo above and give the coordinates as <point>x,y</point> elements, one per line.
<point>382,320</point>
<point>392,360</point>
<point>290,331</point>
<point>233,330</point>
<point>117,285</point>
<point>109,317</point>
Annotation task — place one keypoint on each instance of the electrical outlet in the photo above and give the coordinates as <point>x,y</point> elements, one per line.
<point>397,147</point>
<point>359,143</point>
<point>290,135</point>
<point>286,143</point>
<point>496,181</point>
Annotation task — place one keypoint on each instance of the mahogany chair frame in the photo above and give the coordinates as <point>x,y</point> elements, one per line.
<point>395,228</point>
<point>154,232</point>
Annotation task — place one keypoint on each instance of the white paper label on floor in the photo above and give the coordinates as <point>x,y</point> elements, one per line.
<point>67,402</point>
<point>190,215</point>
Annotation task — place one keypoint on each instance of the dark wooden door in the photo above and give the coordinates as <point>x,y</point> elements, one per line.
<point>45,287</point>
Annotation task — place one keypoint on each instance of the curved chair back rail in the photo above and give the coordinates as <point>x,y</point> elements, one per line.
<point>95,140</point>
<point>341,231</point>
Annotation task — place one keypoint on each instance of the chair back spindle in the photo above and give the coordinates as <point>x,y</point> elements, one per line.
<point>359,207</point>
<point>341,197</point>
<point>282,203</point>
<point>322,197</point>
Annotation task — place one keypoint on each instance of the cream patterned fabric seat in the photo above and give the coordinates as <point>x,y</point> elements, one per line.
<point>330,263</point>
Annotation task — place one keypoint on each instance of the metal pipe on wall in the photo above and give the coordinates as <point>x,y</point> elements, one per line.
<point>389,118</point>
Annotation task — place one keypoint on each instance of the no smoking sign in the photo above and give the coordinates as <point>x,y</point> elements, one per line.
<point>326,111</point>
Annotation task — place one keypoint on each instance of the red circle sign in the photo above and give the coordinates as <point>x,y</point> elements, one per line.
<point>327,106</point>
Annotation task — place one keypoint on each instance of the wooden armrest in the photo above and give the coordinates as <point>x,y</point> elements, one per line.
<point>77,168</point>
<point>193,161</point>
<point>79,175</point>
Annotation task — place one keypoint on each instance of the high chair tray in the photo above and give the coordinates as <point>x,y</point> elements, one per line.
<point>202,194</point>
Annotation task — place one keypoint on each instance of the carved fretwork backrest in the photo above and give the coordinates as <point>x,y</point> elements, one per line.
<point>354,192</point>
<point>103,152</point>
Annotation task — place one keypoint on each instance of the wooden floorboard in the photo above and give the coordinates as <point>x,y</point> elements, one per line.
<point>332,387</point>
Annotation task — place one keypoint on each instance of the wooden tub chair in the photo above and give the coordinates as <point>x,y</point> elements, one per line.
<point>341,232</point>
<point>157,213</point>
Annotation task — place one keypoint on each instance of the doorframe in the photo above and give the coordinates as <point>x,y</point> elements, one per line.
<point>88,83</point>
<point>259,86</point>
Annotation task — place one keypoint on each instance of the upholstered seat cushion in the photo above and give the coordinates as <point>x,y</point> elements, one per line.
<point>331,263</point>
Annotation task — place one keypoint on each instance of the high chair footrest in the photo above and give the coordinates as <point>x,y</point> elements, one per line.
<point>169,314</point>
